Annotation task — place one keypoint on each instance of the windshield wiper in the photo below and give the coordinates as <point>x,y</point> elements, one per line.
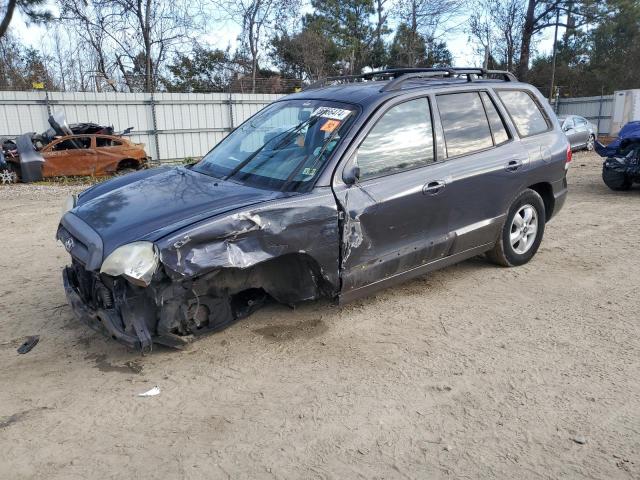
<point>254,154</point>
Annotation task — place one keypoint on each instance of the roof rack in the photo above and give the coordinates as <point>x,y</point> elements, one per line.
<point>397,76</point>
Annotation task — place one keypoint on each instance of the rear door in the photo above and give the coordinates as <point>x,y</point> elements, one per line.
<point>572,132</point>
<point>485,167</point>
<point>70,156</point>
<point>582,130</point>
<point>534,127</point>
<point>109,152</point>
<point>395,215</point>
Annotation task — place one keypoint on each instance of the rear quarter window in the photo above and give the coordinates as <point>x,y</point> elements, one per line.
<point>524,111</point>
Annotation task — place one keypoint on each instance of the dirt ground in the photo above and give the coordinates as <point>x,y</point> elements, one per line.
<point>474,371</point>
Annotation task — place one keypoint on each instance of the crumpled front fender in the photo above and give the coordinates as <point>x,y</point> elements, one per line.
<point>304,225</point>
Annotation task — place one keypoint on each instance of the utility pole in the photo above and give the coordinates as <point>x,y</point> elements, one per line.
<point>553,63</point>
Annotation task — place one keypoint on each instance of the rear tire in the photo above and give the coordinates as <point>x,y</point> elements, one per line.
<point>590,143</point>
<point>522,231</point>
<point>127,166</point>
<point>124,171</point>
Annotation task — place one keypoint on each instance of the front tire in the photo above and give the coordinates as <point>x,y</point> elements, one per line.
<point>522,231</point>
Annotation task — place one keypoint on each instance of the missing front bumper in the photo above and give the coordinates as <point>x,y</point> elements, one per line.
<point>106,321</point>
<point>167,313</point>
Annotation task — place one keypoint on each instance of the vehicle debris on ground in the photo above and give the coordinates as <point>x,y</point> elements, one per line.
<point>28,344</point>
<point>622,165</point>
<point>150,393</point>
<point>87,149</point>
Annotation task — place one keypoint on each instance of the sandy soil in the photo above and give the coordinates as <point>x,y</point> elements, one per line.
<point>471,372</point>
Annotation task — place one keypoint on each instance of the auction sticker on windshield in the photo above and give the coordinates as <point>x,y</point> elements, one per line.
<point>331,112</point>
<point>330,125</point>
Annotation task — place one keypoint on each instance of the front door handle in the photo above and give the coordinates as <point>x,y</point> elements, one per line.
<point>433,188</point>
<point>513,165</point>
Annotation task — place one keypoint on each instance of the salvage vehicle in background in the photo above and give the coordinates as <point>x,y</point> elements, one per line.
<point>83,149</point>
<point>581,133</point>
<point>332,192</point>
<point>621,168</point>
<point>82,155</point>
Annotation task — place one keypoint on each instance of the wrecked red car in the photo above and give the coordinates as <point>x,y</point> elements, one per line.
<point>84,149</point>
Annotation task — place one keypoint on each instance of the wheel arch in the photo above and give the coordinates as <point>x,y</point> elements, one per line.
<point>128,163</point>
<point>289,278</point>
<point>545,190</point>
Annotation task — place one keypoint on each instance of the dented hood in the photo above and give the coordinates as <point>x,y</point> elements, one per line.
<point>154,206</point>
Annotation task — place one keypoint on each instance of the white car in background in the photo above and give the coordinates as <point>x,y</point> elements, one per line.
<point>581,133</point>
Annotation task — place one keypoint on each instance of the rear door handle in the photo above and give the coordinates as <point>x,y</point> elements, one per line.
<point>513,165</point>
<point>433,188</point>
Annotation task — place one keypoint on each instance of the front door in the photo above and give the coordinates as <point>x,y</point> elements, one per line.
<point>395,216</point>
<point>70,156</point>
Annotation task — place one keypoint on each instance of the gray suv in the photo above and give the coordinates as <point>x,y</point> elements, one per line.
<point>352,185</point>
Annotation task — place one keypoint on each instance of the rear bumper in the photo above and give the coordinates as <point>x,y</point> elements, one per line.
<point>107,321</point>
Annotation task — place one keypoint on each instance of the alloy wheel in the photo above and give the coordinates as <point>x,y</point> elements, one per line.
<point>524,228</point>
<point>590,143</point>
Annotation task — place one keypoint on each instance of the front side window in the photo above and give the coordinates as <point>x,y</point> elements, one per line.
<point>401,140</point>
<point>465,124</point>
<point>73,143</point>
<point>283,147</point>
<point>524,111</point>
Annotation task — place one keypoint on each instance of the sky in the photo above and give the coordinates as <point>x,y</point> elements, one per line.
<point>457,40</point>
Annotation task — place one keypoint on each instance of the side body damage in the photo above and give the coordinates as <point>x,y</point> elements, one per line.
<point>215,272</point>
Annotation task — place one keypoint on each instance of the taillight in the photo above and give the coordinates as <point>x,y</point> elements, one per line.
<point>569,157</point>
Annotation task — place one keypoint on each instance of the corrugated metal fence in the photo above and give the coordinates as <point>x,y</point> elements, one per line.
<point>598,110</point>
<point>173,126</point>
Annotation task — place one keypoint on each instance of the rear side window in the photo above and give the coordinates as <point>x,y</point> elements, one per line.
<point>107,142</point>
<point>465,124</point>
<point>524,111</point>
<point>498,129</point>
<point>401,140</point>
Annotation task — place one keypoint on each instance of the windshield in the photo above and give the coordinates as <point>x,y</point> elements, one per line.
<point>283,147</point>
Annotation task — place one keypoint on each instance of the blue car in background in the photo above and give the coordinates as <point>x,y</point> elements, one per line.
<point>622,165</point>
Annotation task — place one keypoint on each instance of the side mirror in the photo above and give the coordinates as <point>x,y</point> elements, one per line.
<point>351,174</point>
<point>566,128</point>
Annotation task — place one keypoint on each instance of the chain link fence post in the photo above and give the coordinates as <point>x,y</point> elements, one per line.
<point>154,119</point>
<point>231,121</point>
<point>46,101</point>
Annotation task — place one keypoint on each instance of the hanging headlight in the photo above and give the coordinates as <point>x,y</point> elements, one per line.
<point>137,262</point>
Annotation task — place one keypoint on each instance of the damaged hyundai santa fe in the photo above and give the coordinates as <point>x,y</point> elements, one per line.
<point>352,185</point>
